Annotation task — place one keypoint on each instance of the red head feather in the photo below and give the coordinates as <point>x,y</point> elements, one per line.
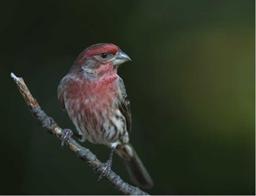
<point>96,49</point>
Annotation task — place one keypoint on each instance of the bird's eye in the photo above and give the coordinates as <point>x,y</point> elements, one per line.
<point>104,55</point>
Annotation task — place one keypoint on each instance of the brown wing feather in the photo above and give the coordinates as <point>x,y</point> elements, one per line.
<point>60,92</point>
<point>64,83</point>
<point>124,105</point>
<point>60,97</point>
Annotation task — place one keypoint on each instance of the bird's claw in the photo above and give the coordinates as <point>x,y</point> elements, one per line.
<point>107,165</point>
<point>106,170</point>
<point>66,135</point>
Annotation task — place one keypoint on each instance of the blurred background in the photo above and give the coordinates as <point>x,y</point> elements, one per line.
<point>191,85</point>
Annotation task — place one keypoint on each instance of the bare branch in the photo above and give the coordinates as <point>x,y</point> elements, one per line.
<point>82,152</point>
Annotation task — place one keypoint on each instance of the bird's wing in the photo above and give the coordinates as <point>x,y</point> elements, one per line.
<point>60,93</point>
<point>124,105</point>
<point>61,89</point>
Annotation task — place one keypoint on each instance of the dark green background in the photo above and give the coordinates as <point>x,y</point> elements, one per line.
<point>191,85</point>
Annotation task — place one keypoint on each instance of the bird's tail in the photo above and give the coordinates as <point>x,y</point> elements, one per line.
<point>137,171</point>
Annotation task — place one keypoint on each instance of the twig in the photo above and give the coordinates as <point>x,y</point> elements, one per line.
<point>82,152</point>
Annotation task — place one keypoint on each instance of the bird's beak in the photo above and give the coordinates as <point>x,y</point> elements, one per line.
<point>120,58</point>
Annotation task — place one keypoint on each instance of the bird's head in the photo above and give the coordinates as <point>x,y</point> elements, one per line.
<point>100,58</point>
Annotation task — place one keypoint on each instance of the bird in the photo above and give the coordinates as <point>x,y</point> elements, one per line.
<point>95,99</point>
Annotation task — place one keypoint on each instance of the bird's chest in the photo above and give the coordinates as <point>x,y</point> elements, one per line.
<point>102,94</point>
<point>93,109</point>
<point>93,97</point>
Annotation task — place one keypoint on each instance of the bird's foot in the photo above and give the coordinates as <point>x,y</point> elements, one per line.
<point>107,165</point>
<point>66,135</point>
<point>107,168</point>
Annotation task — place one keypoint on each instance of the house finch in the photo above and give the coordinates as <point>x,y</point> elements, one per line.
<point>95,99</point>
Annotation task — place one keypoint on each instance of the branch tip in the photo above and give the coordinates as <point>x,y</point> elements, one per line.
<point>14,77</point>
